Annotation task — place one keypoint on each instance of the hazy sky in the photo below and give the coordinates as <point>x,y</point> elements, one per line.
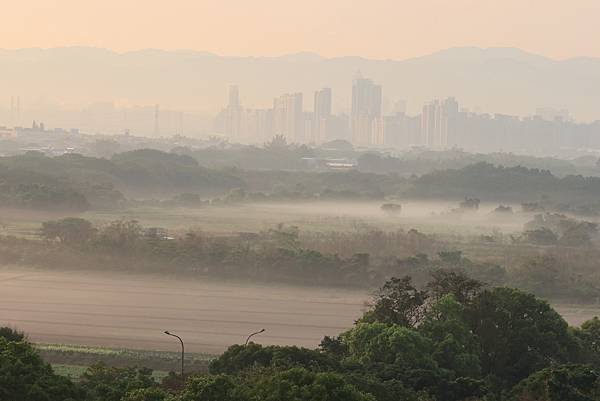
<point>373,28</point>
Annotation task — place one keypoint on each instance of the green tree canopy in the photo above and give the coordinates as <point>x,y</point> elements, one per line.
<point>214,388</point>
<point>24,376</point>
<point>70,230</point>
<point>399,302</point>
<point>455,346</point>
<point>560,383</point>
<point>242,357</point>
<point>453,282</point>
<point>518,334</point>
<point>380,343</point>
<point>103,383</point>
<point>299,384</point>
<point>10,334</point>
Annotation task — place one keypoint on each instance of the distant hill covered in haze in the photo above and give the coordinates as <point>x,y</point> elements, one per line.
<point>496,80</point>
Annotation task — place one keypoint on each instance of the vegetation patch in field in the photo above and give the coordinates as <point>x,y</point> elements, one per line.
<point>67,357</point>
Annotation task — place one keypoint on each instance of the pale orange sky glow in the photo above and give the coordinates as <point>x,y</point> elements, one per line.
<point>381,29</point>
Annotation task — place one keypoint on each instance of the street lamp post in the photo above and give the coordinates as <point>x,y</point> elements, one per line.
<point>182,348</point>
<point>253,334</point>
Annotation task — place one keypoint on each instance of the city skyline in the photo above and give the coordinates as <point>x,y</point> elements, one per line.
<point>508,81</point>
<point>441,124</point>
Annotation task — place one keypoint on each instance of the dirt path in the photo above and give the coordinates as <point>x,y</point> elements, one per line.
<point>132,311</point>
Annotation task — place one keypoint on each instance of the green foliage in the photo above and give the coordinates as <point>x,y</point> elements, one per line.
<point>399,302</point>
<point>403,358</point>
<point>392,209</point>
<point>455,347</point>
<point>589,334</point>
<point>242,357</point>
<point>10,334</point>
<point>299,384</point>
<point>379,343</point>
<point>504,183</point>
<point>518,334</point>
<point>560,383</point>
<point>147,394</point>
<point>493,344</point>
<point>382,390</point>
<point>70,230</point>
<point>285,254</point>
<point>31,190</point>
<point>120,235</point>
<point>569,232</point>
<point>75,182</point>
<point>546,277</point>
<point>540,236</point>
<point>453,282</point>
<point>214,388</point>
<point>333,346</point>
<point>580,234</point>
<point>24,376</point>
<point>103,383</point>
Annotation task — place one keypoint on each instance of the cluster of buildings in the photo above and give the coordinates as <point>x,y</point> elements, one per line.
<point>442,124</point>
<point>287,117</point>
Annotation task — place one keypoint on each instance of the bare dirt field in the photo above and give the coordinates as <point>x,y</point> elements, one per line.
<point>132,311</point>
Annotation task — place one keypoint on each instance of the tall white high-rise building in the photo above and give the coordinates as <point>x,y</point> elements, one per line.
<point>288,117</point>
<point>233,114</point>
<point>366,112</point>
<point>321,116</point>
<point>439,123</point>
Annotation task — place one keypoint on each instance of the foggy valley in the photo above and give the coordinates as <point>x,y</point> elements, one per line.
<point>300,201</point>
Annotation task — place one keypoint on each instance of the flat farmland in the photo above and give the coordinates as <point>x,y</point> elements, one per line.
<point>132,311</point>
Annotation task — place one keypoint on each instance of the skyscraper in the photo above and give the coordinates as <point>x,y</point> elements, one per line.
<point>322,115</point>
<point>449,122</point>
<point>234,95</point>
<point>233,114</point>
<point>439,123</point>
<point>288,117</point>
<point>366,111</point>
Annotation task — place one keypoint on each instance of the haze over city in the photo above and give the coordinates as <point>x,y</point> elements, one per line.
<point>71,70</point>
<point>333,200</point>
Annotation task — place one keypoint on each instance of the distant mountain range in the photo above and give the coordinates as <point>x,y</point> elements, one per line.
<point>496,80</point>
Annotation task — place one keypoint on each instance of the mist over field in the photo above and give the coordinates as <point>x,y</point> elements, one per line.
<point>300,201</point>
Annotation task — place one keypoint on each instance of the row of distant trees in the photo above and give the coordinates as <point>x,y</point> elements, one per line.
<point>76,182</point>
<point>285,254</point>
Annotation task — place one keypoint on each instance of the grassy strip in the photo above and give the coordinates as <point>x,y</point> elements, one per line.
<point>69,358</point>
<point>74,372</point>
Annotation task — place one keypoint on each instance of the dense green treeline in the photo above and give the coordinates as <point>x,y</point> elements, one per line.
<point>30,190</point>
<point>285,254</point>
<point>421,162</point>
<point>452,339</point>
<point>279,155</point>
<point>497,183</point>
<point>77,182</point>
<point>139,173</point>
